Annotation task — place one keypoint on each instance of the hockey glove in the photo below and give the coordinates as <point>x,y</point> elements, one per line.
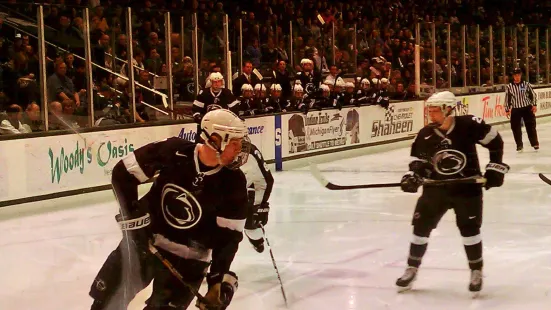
<point>221,291</point>
<point>495,173</point>
<point>410,182</point>
<point>261,214</point>
<point>421,168</point>
<point>135,226</point>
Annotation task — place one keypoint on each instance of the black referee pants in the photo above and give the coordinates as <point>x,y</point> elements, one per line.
<point>529,118</point>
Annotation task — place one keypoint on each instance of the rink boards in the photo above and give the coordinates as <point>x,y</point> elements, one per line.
<point>61,165</point>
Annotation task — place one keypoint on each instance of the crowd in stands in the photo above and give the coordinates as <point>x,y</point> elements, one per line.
<point>374,42</point>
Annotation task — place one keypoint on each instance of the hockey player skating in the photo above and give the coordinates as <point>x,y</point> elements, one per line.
<point>194,214</point>
<point>446,149</point>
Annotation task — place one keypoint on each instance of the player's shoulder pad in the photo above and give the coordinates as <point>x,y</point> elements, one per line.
<point>180,144</point>
<point>469,119</point>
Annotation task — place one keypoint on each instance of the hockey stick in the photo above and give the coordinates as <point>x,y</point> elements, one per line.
<point>177,274</point>
<point>275,266</point>
<point>325,183</point>
<point>544,178</point>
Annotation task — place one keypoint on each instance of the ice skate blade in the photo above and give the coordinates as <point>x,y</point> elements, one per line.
<point>404,289</point>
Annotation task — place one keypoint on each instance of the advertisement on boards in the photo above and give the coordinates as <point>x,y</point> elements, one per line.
<point>320,130</point>
<point>493,107</point>
<point>69,162</point>
<point>544,101</point>
<point>399,120</point>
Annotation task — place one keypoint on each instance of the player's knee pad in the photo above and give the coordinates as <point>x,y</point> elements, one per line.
<point>422,230</point>
<point>469,230</point>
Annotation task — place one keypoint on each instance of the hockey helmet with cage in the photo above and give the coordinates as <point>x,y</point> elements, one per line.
<point>443,100</point>
<point>340,83</point>
<point>298,88</point>
<point>365,82</point>
<point>227,126</point>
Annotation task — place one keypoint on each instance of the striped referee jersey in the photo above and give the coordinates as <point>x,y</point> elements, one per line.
<point>519,96</point>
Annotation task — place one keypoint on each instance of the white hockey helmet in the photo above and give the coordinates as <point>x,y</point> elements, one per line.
<point>324,88</point>
<point>444,99</point>
<point>245,87</point>
<point>384,81</point>
<point>340,83</point>
<point>329,82</point>
<point>365,82</point>
<point>349,85</point>
<point>259,87</point>
<point>375,81</point>
<point>275,87</point>
<point>223,123</point>
<point>306,61</point>
<point>216,76</point>
<point>226,125</point>
<point>298,88</point>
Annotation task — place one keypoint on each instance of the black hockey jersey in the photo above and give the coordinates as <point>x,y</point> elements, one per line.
<point>310,81</point>
<point>190,204</point>
<point>275,105</point>
<point>224,98</point>
<point>245,106</point>
<point>453,153</point>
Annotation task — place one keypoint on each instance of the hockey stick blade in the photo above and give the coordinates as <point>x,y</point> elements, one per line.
<point>544,178</point>
<point>325,183</point>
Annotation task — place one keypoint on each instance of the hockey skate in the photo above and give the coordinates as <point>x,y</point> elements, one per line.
<point>257,244</point>
<point>475,285</point>
<point>405,282</point>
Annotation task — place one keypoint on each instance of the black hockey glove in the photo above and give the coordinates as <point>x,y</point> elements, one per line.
<point>410,182</point>
<point>495,173</point>
<point>421,167</point>
<point>135,226</point>
<point>261,214</point>
<point>221,291</point>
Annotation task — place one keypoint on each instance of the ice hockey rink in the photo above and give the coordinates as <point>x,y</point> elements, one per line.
<point>335,249</point>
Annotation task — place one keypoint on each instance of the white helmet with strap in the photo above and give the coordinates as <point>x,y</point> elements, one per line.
<point>223,123</point>
<point>245,87</point>
<point>443,100</point>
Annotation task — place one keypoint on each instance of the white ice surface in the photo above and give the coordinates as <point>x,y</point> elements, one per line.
<point>335,249</point>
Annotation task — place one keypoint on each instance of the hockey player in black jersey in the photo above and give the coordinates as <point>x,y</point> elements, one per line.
<point>260,100</point>
<point>216,94</point>
<point>275,102</point>
<point>446,149</point>
<point>363,95</point>
<point>194,214</point>
<point>246,100</point>
<point>309,79</point>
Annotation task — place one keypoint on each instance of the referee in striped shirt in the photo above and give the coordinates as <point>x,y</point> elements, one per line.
<point>521,104</point>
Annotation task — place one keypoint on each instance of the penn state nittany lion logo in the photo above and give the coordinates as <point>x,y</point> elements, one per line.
<point>191,88</point>
<point>310,88</point>
<point>449,162</point>
<point>181,209</point>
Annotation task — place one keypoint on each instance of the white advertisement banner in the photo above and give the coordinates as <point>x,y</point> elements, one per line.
<point>544,101</point>
<point>52,164</point>
<point>320,130</point>
<point>400,120</point>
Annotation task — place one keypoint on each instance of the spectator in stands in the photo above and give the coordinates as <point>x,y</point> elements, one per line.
<point>252,53</point>
<point>12,122</point>
<point>269,52</point>
<point>60,87</point>
<point>281,77</point>
<point>246,77</point>
<point>32,117</point>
